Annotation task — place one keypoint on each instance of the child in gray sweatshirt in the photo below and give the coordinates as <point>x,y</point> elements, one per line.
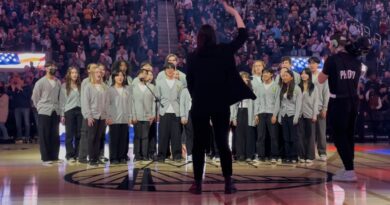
<point>308,117</point>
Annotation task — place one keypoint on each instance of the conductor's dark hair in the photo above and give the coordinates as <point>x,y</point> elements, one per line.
<point>206,37</point>
<point>117,64</point>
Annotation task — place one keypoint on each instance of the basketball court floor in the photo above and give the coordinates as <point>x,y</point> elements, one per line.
<point>24,180</point>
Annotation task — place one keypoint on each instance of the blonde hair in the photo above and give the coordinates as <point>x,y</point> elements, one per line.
<point>244,74</point>
<point>91,67</point>
<point>93,71</point>
<point>262,63</point>
<point>170,55</point>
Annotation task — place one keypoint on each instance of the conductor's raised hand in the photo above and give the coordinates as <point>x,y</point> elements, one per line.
<point>228,8</point>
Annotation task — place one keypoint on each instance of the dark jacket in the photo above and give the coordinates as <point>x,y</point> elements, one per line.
<point>20,98</point>
<point>213,80</point>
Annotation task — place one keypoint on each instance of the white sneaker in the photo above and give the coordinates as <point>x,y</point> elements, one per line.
<point>189,158</point>
<point>309,161</point>
<point>301,160</point>
<point>60,161</point>
<point>47,163</point>
<point>273,161</point>
<point>323,158</point>
<point>346,176</point>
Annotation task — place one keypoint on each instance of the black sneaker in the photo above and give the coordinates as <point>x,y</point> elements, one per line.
<point>83,161</point>
<point>104,159</point>
<point>101,162</point>
<point>114,162</point>
<point>94,164</point>
<point>161,159</point>
<point>196,188</point>
<point>230,188</point>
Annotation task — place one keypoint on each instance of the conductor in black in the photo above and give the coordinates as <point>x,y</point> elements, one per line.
<point>343,70</point>
<point>214,84</point>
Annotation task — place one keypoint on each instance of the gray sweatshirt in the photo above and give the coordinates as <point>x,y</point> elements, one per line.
<point>266,99</point>
<point>84,83</point>
<point>310,104</point>
<point>68,102</point>
<point>93,102</point>
<point>290,107</point>
<point>143,102</point>
<point>256,82</point>
<point>169,96</point>
<point>185,103</point>
<point>251,114</point>
<point>119,105</point>
<point>182,77</point>
<point>323,93</point>
<point>45,97</point>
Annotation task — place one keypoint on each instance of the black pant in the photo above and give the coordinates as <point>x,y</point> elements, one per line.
<point>83,146</point>
<point>49,140</point>
<point>152,139</point>
<point>265,125</point>
<point>202,130</point>
<point>94,139</point>
<point>342,115</point>
<point>189,133</point>
<point>211,146</point>
<point>169,131</point>
<point>73,121</point>
<point>119,133</point>
<point>141,139</point>
<point>290,138</point>
<point>306,136</point>
<point>102,143</point>
<point>245,141</point>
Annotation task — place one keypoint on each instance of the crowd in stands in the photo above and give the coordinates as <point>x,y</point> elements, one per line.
<point>71,33</point>
<point>76,33</point>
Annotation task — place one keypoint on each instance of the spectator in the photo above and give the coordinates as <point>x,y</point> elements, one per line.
<point>4,100</point>
<point>21,95</point>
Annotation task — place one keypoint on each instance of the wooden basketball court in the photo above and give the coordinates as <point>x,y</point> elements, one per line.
<point>24,180</point>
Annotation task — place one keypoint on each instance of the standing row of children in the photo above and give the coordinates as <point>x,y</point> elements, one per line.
<point>288,118</point>
<point>289,105</point>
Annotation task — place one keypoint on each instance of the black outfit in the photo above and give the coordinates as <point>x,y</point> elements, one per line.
<point>306,135</point>
<point>265,125</point>
<point>95,133</point>
<point>152,148</point>
<point>83,146</point>
<point>49,144</point>
<point>189,135</point>
<point>141,140</point>
<point>245,141</point>
<point>119,134</point>
<point>343,71</point>
<point>73,123</point>
<point>290,138</point>
<point>169,131</point>
<point>214,84</point>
